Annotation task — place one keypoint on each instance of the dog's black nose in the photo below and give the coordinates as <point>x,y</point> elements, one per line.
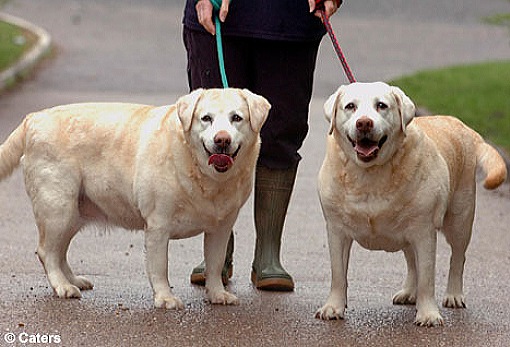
<point>222,139</point>
<point>364,124</point>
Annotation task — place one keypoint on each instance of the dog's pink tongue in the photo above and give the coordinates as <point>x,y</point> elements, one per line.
<point>366,149</point>
<point>221,160</point>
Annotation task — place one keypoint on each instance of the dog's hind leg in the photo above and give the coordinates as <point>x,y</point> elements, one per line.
<point>54,192</point>
<point>457,230</point>
<point>57,225</point>
<point>407,295</point>
<point>79,281</point>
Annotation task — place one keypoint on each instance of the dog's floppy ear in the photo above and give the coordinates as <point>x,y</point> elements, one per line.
<point>259,109</point>
<point>406,107</point>
<point>186,107</point>
<point>330,107</point>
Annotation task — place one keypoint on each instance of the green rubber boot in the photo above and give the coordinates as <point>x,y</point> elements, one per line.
<point>273,189</point>
<point>198,274</point>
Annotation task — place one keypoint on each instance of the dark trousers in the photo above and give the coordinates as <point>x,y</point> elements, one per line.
<point>281,71</point>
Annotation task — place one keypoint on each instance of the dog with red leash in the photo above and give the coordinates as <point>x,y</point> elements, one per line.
<point>391,182</point>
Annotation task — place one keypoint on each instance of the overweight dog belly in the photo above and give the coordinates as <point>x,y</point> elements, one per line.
<point>118,214</point>
<point>377,234</point>
<point>380,243</point>
<point>179,224</point>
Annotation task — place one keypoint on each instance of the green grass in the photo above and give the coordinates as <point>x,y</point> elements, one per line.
<point>13,43</point>
<point>477,94</point>
<point>499,19</point>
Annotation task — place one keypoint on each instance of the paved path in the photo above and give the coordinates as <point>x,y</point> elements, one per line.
<point>131,50</point>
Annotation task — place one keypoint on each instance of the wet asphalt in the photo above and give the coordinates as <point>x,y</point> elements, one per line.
<point>127,50</point>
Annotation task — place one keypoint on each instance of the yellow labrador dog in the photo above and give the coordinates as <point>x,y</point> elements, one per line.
<point>173,171</point>
<point>390,183</point>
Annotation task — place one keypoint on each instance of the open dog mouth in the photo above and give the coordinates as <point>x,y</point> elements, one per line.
<point>221,161</point>
<point>367,149</point>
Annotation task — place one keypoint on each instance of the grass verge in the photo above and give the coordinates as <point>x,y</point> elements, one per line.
<point>14,42</point>
<point>478,94</point>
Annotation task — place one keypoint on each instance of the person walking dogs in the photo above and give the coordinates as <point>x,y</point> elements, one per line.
<point>270,47</point>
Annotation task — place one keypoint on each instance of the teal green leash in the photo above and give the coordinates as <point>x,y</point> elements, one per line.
<point>219,43</point>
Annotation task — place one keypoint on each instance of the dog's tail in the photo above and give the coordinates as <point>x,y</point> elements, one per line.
<point>12,150</point>
<point>492,163</point>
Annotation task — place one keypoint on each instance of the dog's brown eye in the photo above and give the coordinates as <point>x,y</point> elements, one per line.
<point>236,118</point>
<point>350,106</point>
<point>381,106</point>
<point>206,118</point>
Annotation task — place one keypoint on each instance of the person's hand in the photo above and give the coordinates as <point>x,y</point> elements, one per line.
<point>205,14</point>
<point>330,7</point>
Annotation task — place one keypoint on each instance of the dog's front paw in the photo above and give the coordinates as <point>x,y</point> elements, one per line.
<point>222,297</point>
<point>429,319</point>
<point>68,291</point>
<point>168,302</point>
<point>454,301</point>
<point>405,297</point>
<point>330,312</point>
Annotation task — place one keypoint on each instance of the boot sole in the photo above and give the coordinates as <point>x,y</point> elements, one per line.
<point>198,278</point>
<point>277,284</point>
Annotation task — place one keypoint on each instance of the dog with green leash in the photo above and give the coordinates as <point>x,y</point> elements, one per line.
<point>173,171</point>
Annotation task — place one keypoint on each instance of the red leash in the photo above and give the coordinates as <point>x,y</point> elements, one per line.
<point>334,40</point>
